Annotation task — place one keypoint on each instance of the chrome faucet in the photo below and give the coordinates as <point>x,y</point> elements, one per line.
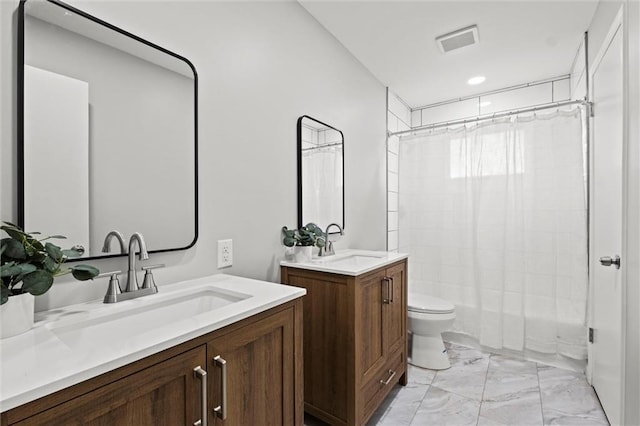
<point>327,250</point>
<point>106,246</point>
<point>132,278</point>
<point>131,291</point>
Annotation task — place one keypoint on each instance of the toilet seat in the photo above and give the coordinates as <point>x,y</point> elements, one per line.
<point>428,304</point>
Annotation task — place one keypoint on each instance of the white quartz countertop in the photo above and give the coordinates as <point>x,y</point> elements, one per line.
<point>39,362</point>
<point>349,262</point>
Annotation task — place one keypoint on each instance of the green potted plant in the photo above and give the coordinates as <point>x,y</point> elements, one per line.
<point>303,240</point>
<point>28,267</point>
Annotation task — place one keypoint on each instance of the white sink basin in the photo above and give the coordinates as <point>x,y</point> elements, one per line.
<point>142,316</point>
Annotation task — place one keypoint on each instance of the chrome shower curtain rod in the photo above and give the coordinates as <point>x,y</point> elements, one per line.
<point>490,116</point>
<point>322,146</point>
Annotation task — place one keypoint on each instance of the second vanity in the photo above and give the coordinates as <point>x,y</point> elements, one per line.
<point>215,350</point>
<point>355,331</point>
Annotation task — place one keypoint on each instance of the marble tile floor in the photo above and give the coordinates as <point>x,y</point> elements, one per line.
<point>489,390</point>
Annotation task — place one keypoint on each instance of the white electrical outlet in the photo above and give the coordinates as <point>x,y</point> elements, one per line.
<point>225,253</point>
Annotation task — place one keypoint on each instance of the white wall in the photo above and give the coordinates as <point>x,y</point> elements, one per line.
<point>261,65</point>
<point>578,75</point>
<point>599,27</point>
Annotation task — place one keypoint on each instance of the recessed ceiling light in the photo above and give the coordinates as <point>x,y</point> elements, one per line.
<point>485,103</point>
<point>476,80</point>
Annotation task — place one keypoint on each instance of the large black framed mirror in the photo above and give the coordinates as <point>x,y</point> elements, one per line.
<point>107,132</point>
<point>320,173</point>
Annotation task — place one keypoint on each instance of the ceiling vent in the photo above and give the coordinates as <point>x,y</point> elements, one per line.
<point>457,39</point>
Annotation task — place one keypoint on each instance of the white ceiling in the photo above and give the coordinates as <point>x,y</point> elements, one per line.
<point>520,42</point>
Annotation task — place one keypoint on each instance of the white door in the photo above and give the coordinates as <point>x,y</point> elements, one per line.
<point>606,229</point>
<point>56,136</point>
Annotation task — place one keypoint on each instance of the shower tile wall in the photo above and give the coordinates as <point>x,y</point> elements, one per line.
<point>312,137</point>
<point>309,138</point>
<point>398,119</point>
<point>534,94</point>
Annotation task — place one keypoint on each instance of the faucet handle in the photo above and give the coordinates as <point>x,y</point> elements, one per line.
<point>151,267</point>
<point>114,286</point>
<point>111,274</point>
<point>148,277</point>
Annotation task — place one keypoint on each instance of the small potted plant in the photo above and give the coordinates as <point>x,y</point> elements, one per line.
<point>28,267</point>
<point>303,240</point>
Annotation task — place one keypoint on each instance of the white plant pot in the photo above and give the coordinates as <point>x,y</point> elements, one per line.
<point>302,254</point>
<point>16,316</point>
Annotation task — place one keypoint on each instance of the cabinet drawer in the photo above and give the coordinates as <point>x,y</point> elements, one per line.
<point>377,388</point>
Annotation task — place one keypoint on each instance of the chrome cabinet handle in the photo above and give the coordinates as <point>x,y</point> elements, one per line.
<point>221,410</point>
<point>392,374</point>
<point>200,372</point>
<point>608,261</point>
<point>389,282</point>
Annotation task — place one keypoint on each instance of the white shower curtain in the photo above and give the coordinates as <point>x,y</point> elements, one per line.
<point>494,218</point>
<point>322,185</point>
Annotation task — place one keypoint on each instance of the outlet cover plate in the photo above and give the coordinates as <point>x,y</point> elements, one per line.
<point>225,253</point>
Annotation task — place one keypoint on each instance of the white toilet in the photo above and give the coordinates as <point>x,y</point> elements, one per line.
<point>428,318</point>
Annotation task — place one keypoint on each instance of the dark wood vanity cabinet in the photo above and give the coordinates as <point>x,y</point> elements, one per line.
<point>355,344</point>
<point>263,360</point>
<point>261,373</point>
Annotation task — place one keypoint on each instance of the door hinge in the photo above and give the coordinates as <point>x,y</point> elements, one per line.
<point>590,335</point>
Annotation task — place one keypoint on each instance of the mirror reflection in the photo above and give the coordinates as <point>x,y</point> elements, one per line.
<point>320,173</point>
<point>109,133</point>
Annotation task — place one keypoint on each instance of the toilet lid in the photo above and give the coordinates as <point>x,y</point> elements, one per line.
<point>429,304</point>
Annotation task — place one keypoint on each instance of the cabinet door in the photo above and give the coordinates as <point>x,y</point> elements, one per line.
<point>168,393</point>
<point>395,311</point>
<point>370,350</point>
<point>252,373</point>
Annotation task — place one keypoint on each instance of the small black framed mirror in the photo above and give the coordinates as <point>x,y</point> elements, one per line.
<point>107,132</point>
<point>320,173</point>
